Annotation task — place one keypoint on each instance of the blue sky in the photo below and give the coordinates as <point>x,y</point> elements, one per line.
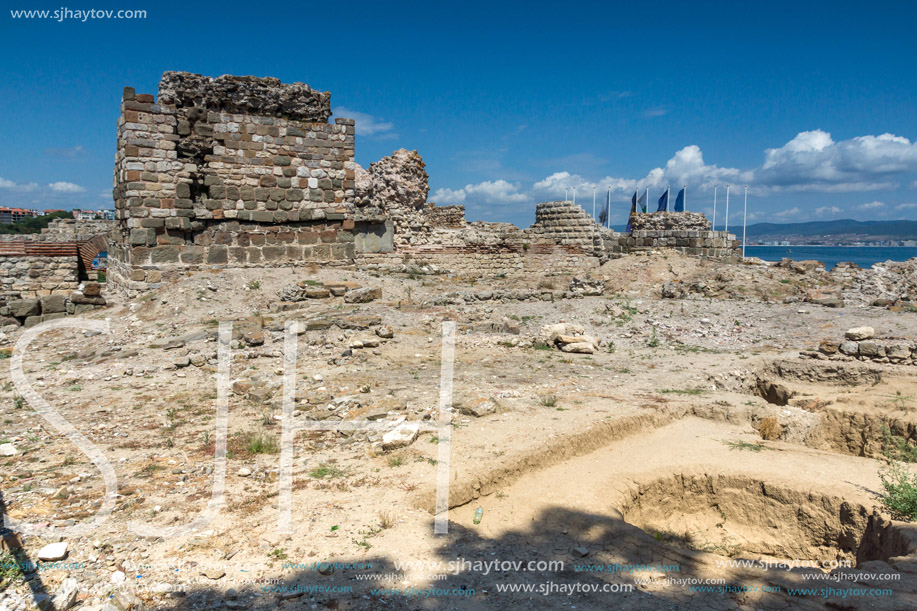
<point>810,103</point>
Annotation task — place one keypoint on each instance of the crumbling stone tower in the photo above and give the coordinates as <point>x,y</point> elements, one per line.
<point>232,171</point>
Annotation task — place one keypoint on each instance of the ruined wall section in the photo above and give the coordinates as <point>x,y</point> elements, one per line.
<point>689,233</point>
<point>231,171</point>
<point>567,224</point>
<point>442,241</point>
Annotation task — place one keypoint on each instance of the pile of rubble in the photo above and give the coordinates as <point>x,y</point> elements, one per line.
<point>30,312</point>
<point>888,284</point>
<point>350,291</point>
<point>861,344</point>
<point>568,338</point>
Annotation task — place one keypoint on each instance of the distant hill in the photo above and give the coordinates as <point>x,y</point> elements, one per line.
<point>875,230</point>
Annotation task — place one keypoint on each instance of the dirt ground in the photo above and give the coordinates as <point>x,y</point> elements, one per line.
<point>650,474</point>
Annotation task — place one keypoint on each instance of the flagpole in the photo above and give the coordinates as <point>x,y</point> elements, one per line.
<point>714,206</point>
<point>744,219</point>
<point>668,193</point>
<point>646,201</point>
<point>566,193</point>
<point>593,203</point>
<point>727,209</point>
<point>574,196</point>
<point>608,220</point>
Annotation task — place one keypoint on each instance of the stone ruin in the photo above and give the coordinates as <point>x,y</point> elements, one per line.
<point>49,275</point>
<point>230,171</point>
<point>690,233</point>
<point>243,171</point>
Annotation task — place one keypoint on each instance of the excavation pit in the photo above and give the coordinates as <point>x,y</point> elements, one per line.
<point>742,517</point>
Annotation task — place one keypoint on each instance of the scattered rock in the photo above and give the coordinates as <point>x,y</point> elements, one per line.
<point>476,407</point>
<point>385,332</point>
<point>65,597</point>
<point>126,601</point>
<point>578,348</point>
<point>849,348</point>
<point>358,321</point>
<point>91,289</point>
<point>587,286</point>
<point>363,295</point>
<point>672,290</point>
<point>253,337</point>
<point>401,436</point>
<point>53,551</point>
<point>7,449</point>
<point>860,333</point>
<point>871,350</point>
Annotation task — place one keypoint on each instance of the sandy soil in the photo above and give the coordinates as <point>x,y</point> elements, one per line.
<point>648,452</point>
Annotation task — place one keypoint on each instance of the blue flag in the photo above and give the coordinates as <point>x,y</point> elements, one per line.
<point>680,201</point>
<point>603,215</point>
<point>633,211</point>
<point>664,202</point>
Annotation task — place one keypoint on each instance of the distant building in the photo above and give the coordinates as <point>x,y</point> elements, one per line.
<point>94,215</point>
<point>47,212</point>
<point>14,215</point>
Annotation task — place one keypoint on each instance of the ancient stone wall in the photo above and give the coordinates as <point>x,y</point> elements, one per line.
<point>36,272</point>
<point>245,171</point>
<point>474,261</point>
<point>76,230</point>
<point>565,223</point>
<point>671,221</point>
<point>687,232</point>
<point>36,279</point>
<point>450,217</point>
<point>229,171</point>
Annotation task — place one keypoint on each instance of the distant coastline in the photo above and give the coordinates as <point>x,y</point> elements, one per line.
<point>863,256</point>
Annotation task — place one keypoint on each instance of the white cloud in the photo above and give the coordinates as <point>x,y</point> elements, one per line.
<point>66,187</point>
<point>366,124</point>
<point>794,211</point>
<point>813,161</point>
<point>487,192</point>
<point>905,206</point>
<point>15,186</point>
<point>658,111</point>
<point>67,153</point>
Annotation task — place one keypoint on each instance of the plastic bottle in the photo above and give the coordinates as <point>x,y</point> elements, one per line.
<point>478,514</point>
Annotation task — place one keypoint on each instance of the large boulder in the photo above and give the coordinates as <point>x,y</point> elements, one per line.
<point>363,295</point>
<point>860,333</point>
<point>401,436</point>
<point>91,289</point>
<point>52,304</point>
<point>21,308</point>
<point>399,180</point>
